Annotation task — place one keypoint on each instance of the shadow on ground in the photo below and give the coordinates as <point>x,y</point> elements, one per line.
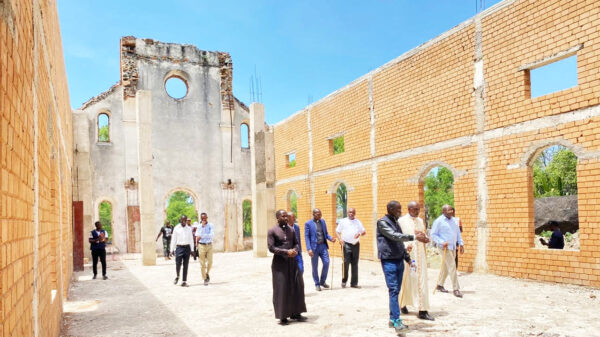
<point>119,306</point>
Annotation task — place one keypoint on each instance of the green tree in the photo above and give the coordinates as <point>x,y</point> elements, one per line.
<point>180,203</point>
<point>439,191</point>
<point>555,173</point>
<point>105,217</point>
<point>103,134</point>
<point>341,196</point>
<point>247,215</point>
<point>338,145</point>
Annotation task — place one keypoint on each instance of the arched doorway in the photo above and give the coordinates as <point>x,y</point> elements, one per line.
<point>105,216</point>
<point>438,190</point>
<point>292,202</point>
<point>341,202</point>
<point>554,175</point>
<point>247,223</point>
<point>178,203</point>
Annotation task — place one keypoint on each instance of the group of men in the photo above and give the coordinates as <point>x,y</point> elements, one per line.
<point>400,240</point>
<point>187,240</point>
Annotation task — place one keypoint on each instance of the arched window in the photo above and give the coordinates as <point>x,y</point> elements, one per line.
<point>555,199</point>
<point>438,190</point>
<point>245,135</point>
<point>103,128</point>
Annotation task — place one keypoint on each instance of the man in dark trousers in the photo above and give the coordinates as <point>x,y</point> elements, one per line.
<point>392,254</point>
<point>98,239</point>
<point>316,236</point>
<point>292,223</point>
<point>288,286</point>
<point>182,243</point>
<point>166,231</point>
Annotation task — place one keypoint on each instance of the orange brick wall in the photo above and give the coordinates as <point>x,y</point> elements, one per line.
<point>424,111</point>
<point>35,115</point>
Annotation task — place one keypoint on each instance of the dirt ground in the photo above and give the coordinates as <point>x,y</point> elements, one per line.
<point>142,301</point>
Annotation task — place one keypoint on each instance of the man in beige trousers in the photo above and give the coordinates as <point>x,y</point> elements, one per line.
<point>204,237</point>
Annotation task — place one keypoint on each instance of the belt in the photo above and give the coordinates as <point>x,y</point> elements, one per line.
<point>183,245</point>
<point>205,243</point>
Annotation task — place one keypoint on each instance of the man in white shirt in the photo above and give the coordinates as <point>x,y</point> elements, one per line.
<point>182,242</point>
<point>349,231</point>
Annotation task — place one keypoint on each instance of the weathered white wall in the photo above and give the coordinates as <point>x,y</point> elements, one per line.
<point>193,147</point>
<point>107,161</point>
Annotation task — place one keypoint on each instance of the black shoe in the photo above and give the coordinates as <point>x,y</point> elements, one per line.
<point>206,281</point>
<point>356,286</point>
<point>425,315</point>
<point>343,284</point>
<point>404,310</point>
<point>104,277</point>
<point>325,285</point>
<point>299,318</point>
<point>318,288</point>
<point>441,289</point>
<point>184,284</point>
<point>457,293</point>
<point>176,280</point>
<point>284,321</point>
<point>94,277</point>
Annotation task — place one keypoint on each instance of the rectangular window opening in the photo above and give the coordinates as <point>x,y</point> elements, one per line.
<point>553,77</point>
<point>336,145</point>
<point>291,159</point>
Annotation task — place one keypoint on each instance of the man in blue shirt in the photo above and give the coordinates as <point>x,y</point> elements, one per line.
<point>316,236</point>
<point>204,237</point>
<point>294,225</point>
<point>446,234</point>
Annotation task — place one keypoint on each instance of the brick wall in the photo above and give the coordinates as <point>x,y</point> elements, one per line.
<point>462,100</point>
<point>35,161</point>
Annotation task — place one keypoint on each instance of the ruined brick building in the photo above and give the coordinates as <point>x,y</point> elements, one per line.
<point>463,101</point>
<point>158,144</point>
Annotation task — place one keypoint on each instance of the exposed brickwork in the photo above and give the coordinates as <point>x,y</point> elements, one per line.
<point>35,114</point>
<point>428,108</point>
<point>129,71</point>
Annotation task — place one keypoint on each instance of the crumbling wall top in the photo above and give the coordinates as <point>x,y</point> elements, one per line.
<point>134,49</point>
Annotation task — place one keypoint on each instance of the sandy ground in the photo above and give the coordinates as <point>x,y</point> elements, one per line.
<point>142,301</point>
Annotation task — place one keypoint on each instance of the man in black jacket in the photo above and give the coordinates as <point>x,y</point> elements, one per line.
<point>392,254</point>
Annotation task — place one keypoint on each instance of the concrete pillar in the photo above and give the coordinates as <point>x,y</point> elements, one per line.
<point>146,189</point>
<point>262,179</point>
<point>83,174</point>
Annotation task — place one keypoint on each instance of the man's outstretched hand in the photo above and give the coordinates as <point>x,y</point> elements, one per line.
<point>421,236</point>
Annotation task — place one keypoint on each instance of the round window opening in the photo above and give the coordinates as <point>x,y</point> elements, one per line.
<point>176,88</point>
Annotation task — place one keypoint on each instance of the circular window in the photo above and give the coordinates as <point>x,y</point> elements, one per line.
<point>176,88</point>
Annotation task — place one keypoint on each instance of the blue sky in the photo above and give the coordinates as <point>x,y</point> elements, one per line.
<point>301,49</point>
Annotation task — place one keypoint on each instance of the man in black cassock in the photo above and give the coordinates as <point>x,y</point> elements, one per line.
<point>288,285</point>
